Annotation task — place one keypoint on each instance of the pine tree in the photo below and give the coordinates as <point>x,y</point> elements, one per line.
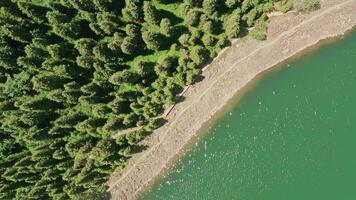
<point>233,24</point>
<point>210,6</point>
<point>82,5</point>
<point>153,40</point>
<point>129,45</point>
<point>165,26</point>
<point>33,11</point>
<point>103,5</point>
<point>133,10</point>
<point>192,18</point>
<point>108,22</point>
<point>198,55</point>
<point>150,13</point>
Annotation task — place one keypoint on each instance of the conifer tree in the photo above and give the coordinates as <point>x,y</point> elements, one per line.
<point>153,40</point>
<point>133,10</point>
<point>210,6</point>
<point>150,13</point>
<point>233,24</point>
<point>33,11</point>
<point>165,26</point>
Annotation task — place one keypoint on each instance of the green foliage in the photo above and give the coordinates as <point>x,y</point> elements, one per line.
<point>199,55</point>
<point>208,40</point>
<point>259,32</point>
<point>233,24</point>
<point>130,43</point>
<point>18,85</point>
<point>209,27</point>
<point>231,3</point>
<point>125,76</point>
<point>284,5</point>
<point>74,73</point>
<point>108,22</point>
<point>210,6</point>
<point>133,10</point>
<point>192,18</point>
<point>129,46</point>
<point>184,39</point>
<point>153,40</point>
<point>150,13</point>
<point>193,3</point>
<point>35,12</point>
<point>165,27</point>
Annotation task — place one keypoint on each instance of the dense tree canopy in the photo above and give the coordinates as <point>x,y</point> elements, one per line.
<point>75,73</point>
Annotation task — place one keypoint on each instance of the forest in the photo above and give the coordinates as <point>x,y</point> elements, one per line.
<point>76,73</point>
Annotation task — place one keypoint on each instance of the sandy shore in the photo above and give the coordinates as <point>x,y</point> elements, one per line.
<point>240,63</point>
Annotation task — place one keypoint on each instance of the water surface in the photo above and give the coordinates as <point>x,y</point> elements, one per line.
<point>292,137</point>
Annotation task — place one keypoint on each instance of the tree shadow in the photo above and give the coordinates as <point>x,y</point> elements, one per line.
<point>218,28</point>
<point>244,32</point>
<point>176,32</point>
<point>139,148</point>
<point>105,196</point>
<point>179,99</point>
<point>171,16</point>
<point>161,121</point>
<point>199,78</point>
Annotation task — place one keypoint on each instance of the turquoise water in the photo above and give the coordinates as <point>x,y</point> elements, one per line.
<point>291,137</point>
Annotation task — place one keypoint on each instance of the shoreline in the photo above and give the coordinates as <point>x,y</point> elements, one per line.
<point>226,77</point>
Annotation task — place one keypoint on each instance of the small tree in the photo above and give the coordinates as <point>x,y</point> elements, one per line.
<point>142,68</point>
<point>231,3</point>
<point>233,25</point>
<point>115,42</point>
<point>132,30</point>
<point>133,10</point>
<point>193,3</point>
<point>108,22</point>
<point>195,36</point>
<point>306,5</point>
<point>192,18</point>
<point>184,39</point>
<point>82,5</point>
<point>150,13</point>
<point>199,55</point>
<point>167,61</point>
<point>129,45</point>
<point>125,76</point>
<point>18,85</point>
<point>69,31</point>
<point>35,12</point>
<point>103,5</point>
<point>208,40</point>
<point>165,26</point>
<point>85,46</point>
<point>250,17</point>
<point>153,40</point>
<point>61,50</point>
<point>259,32</point>
<point>209,27</point>
<point>284,5</point>
<point>210,6</point>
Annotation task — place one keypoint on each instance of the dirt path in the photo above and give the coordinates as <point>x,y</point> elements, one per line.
<point>288,35</point>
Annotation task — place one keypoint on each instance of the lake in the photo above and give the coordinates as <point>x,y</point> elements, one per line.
<point>292,136</point>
